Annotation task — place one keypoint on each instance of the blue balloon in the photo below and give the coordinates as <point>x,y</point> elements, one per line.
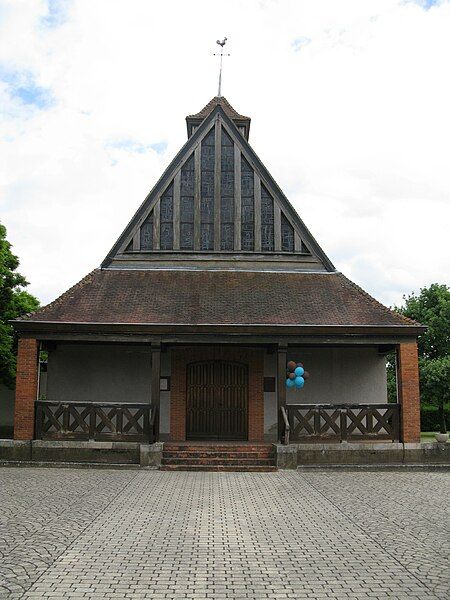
<point>290,383</point>
<point>299,382</point>
<point>299,371</point>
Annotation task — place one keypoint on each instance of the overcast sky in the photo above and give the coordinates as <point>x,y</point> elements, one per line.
<point>349,102</point>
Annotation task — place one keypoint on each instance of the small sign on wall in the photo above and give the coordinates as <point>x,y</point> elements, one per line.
<point>269,384</point>
<point>164,384</point>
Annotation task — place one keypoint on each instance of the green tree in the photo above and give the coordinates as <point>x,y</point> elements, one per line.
<point>431,307</point>
<point>14,302</point>
<point>435,385</point>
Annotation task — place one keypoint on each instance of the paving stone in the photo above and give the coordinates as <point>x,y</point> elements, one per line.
<point>160,535</point>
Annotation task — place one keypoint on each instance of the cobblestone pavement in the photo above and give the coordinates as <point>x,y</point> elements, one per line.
<point>67,533</point>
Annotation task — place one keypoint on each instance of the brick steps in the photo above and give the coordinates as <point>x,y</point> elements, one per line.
<point>232,468</point>
<point>215,447</point>
<point>218,457</point>
<point>218,454</point>
<point>214,460</point>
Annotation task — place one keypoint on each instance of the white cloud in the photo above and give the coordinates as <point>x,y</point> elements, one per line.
<point>354,126</point>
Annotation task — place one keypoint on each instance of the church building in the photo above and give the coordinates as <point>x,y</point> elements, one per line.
<point>192,327</point>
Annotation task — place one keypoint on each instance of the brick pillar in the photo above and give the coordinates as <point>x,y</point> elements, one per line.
<point>408,392</point>
<point>26,389</point>
<point>255,361</point>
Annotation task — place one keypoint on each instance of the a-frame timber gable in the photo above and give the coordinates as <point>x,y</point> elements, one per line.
<point>215,206</point>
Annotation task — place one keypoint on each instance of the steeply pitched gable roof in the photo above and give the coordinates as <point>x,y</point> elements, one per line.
<point>128,251</point>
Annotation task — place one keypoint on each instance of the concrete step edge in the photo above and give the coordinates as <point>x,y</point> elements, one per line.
<point>230,468</point>
<point>182,454</point>
<point>68,465</point>
<point>219,461</point>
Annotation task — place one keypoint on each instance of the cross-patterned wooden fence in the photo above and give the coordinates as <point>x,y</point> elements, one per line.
<point>343,422</point>
<point>95,421</point>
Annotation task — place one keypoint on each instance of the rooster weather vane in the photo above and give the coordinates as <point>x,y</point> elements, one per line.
<point>221,43</point>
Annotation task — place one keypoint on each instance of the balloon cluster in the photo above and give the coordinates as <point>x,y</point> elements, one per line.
<point>296,375</point>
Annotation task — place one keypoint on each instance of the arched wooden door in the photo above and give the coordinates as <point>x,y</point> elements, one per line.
<point>217,401</point>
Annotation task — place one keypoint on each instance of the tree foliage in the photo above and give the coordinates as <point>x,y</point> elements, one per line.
<point>14,303</point>
<point>431,307</point>
<point>435,384</point>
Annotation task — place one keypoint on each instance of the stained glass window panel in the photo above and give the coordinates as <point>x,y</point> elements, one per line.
<point>227,183</point>
<point>187,236</point>
<point>227,193</point>
<point>166,219</point>
<point>247,224</point>
<point>210,139</point>
<point>187,183</point>
<point>166,208</point>
<point>287,235</point>
<point>147,234</point>
<point>207,236</point>
<point>207,210</point>
<point>267,222</point>
<point>247,207</point>
<point>227,158</point>
<point>207,192</point>
<point>187,209</point>
<point>207,184</point>
<point>248,210</point>
<point>227,210</point>
<point>226,139</point>
<point>227,236</point>
<point>247,184</point>
<point>166,241</point>
<point>247,237</point>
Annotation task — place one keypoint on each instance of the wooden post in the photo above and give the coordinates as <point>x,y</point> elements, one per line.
<point>281,386</point>
<point>155,385</point>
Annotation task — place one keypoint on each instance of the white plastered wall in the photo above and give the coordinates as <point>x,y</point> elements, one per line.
<point>354,375</point>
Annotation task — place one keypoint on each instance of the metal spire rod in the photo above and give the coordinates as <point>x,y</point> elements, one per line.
<point>221,44</point>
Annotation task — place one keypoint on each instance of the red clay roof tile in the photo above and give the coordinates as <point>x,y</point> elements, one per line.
<point>218,297</point>
<point>218,101</point>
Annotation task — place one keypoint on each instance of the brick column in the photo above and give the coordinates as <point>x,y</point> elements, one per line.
<point>255,363</point>
<point>408,392</point>
<point>26,389</point>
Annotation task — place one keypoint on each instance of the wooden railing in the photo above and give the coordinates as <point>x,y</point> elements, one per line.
<point>342,422</point>
<point>287,427</point>
<point>101,421</point>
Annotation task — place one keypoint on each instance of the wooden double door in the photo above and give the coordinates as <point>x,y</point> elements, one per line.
<point>217,401</point>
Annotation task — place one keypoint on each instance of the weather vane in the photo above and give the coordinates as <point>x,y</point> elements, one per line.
<point>221,44</point>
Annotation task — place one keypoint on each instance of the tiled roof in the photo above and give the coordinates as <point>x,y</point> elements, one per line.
<point>218,298</point>
<point>217,101</point>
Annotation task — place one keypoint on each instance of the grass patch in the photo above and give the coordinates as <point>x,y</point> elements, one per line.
<point>427,436</point>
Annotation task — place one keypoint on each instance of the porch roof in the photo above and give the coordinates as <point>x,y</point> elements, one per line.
<point>181,298</point>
